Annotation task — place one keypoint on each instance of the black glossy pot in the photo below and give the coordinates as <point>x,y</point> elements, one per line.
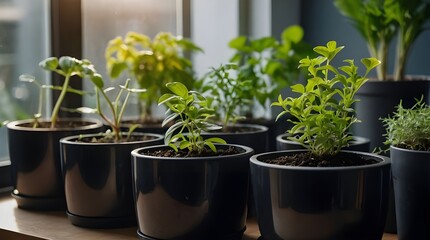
<point>191,198</point>
<point>320,203</point>
<point>36,164</point>
<point>256,138</point>
<point>97,181</point>
<point>378,99</point>
<point>358,144</point>
<point>411,171</point>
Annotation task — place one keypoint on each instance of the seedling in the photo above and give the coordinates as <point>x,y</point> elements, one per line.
<point>409,128</point>
<point>65,66</point>
<point>322,114</point>
<point>230,94</point>
<point>116,107</point>
<point>190,111</point>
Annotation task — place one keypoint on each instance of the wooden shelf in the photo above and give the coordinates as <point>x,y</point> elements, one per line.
<point>20,224</point>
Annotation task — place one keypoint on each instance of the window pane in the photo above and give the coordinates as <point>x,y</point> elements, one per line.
<point>24,42</point>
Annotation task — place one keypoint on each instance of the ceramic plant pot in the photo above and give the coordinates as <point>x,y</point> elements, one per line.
<point>191,198</point>
<point>320,202</point>
<point>359,144</point>
<point>36,163</point>
<point>97,180</point>
<point>411,171</point>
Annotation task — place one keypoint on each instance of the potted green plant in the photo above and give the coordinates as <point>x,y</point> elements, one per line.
<point>323,192</point>
<point>270,66</point>
<point>229,94</point>
<point>194,188</point>
<point>151,64</point>
<point>408,134</point>
<point>97,167</point>
<point>33,143</point>
<point>379,23</point>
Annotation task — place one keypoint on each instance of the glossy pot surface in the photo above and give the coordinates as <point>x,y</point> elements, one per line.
<point>411,179</point>
<point>36,164</point>
<point>191,198</point>
<point>320,202</point>
<point>98,182</point>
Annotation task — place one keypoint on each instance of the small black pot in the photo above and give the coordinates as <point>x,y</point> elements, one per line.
<point>36,164</point>
<point>191,198</point>
<point>358,144</point>
<point>97,181</point>
<point>411,171</point>
<point>320,202</point>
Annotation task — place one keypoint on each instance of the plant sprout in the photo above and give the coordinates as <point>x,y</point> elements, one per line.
<point>228,93</point>
<point>323,112</point>
<point>190,111</point>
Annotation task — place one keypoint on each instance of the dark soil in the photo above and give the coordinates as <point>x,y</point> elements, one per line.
<point>307,160</point>
<point>59,124</point>
<point>236,129</point>
<point>184,153</point>
<point>103,139</point>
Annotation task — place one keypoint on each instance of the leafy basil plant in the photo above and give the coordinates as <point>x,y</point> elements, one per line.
<point>322,114</point>
<point>190,112</point>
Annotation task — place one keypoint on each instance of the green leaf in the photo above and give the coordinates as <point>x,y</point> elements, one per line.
<point>210,145</point>
<point>299,88</point>
<point>178,89</point>
<point>97,80</point>
<point>49,64</point>
<point>117,68</point>
<point>238,43</point>
<point>67,64</point>
<point>293,34</point>
<point>216,140</point>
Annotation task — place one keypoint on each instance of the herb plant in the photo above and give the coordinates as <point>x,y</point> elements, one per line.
<point>228,93</point>
<point>322,114</point>
<point>65,66</point>
<point>116,107</point>
<point>380,21</point>
<point>190,111</point>
<point>151,63</point>
<point>269,64</point>
<point>409,128</point>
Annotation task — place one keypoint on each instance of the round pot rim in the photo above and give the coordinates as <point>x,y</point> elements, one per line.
<point>409,150</point>
<point>254,160</point>
<point>137,153</point>
<point>257,128</point>
<point>70,139</point>
<point>356,140</point>
<point>94,123</point>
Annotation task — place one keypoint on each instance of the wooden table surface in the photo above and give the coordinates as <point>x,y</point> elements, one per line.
<point>21,224</point>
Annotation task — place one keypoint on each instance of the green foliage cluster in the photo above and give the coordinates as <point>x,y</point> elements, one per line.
<point>379,21</point>
<point>269,64</point>
<point>228,93</point>
<point>151,63</point>
<point>323,112</point>
<point>190,111</point>
<point>409,128</point>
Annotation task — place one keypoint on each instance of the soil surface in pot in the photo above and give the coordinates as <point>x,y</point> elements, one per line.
<point>236,129</point>
<point>59,124</point>
<point>185,153</point>
<point>110,139</point>
<point>308,160</point>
